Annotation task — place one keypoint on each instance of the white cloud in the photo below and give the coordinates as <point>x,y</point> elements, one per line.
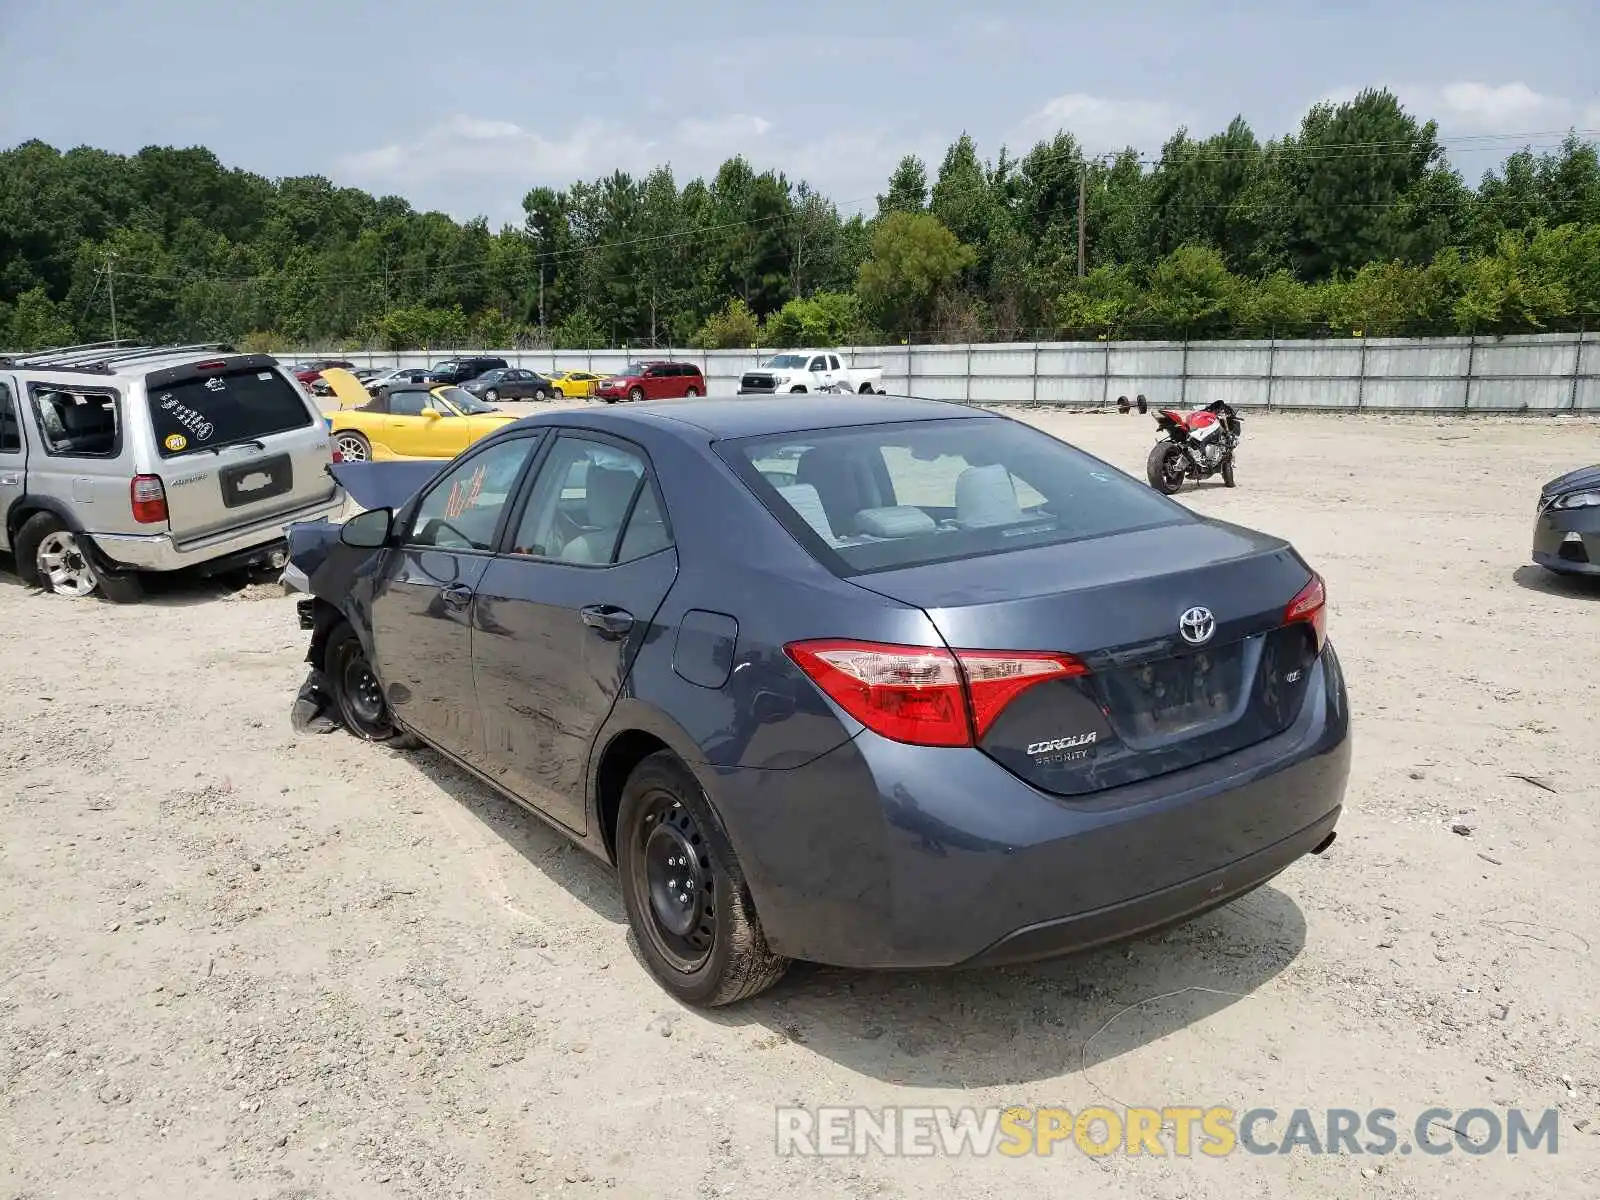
<point>1103,125</point>
<point>1470,108</point>
<point>470,164</point>
<point>468,146</point>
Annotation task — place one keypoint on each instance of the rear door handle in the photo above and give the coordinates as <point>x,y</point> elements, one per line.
<point>457,596</point>
<point>611,622</point>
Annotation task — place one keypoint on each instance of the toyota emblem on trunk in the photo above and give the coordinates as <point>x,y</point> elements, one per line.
<point>1197,625</point>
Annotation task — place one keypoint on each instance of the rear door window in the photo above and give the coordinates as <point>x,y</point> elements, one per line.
<point>10,431</point>
<point>882,497</point>
<point>78,423</point>
<point>224,408</point>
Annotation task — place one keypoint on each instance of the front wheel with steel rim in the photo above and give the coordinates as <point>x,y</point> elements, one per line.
<point>693,920</point>
<point>352,447</point>
<point>356,690</point>
<point>492,395</point>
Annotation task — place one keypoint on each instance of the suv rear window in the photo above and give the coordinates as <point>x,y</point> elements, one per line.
<point>882,497</point>
<point>231,406</point>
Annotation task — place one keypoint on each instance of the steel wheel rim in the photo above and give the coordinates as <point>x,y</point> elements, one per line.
<point>352,449</point>
<point>360,694</point>
<point>675,886</point>
<point>64,564</point>
<point>491,395</point>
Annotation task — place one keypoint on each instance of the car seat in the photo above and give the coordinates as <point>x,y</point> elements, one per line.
<point>985,497</point>
<point>609,493</point>
<point>846,482</point>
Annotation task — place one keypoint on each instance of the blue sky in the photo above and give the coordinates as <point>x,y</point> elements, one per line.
<point>465,104</point>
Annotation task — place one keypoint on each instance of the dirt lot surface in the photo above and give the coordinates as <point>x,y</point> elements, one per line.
<point>240,962</point>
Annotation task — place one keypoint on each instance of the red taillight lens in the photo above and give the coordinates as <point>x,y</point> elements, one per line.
<point>1311,606</point>
<point>148,499</point>
<point>923,695</point>
<point>996,678</point>
<point>337,455</point>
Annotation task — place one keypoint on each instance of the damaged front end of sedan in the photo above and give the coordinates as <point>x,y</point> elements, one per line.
<point>1566,531</point>
<point>331,563</point>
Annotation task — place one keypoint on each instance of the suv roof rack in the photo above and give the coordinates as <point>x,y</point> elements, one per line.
<point>101,358</point>
<point>62,352</point>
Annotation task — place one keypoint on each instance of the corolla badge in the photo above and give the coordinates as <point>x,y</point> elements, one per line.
<point>1197,625</point>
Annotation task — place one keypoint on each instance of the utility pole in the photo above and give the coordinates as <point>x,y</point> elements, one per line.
<point>541,297</point>
<point>1083,179</point>
<point>111,287</point>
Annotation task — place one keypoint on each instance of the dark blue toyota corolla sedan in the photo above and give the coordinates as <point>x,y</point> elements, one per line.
<point>874,682</point>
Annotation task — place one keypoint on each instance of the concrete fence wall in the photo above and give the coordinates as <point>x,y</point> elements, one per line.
<point>1543,373</point>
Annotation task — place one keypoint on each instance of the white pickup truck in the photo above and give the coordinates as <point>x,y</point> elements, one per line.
<point>810,371</point>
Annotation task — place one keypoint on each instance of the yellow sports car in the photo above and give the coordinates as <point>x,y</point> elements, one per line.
<point>574,385</point>
<point>413,420</point>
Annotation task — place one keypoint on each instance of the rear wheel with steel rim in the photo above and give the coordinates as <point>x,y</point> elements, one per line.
<point>693,919</point>
<point>352,447</point>
<point>356,690</point>
<point>1166,467</point>
<point>690,393</point>
<point>64,566</point>
<point>540,394</point>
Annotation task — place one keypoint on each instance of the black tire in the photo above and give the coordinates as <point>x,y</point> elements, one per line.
<point>492,396</point>
<point>690,393</point>
<point>540,394</point>
<point>121,588</point>
<point>723,957</point>
<point>865,389</point>
<point>1227,470</point>
<point>636,394</point>
<point>795,391</point>
<point>358,441</point>
<point>357,695</point>
<point>25,548</point>
<point>1165,468</point>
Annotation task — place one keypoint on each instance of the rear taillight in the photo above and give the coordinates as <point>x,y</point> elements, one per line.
<point>337,456</point>
<point>923,695</point>
<point>1311,606</point>
<point>148,499</point>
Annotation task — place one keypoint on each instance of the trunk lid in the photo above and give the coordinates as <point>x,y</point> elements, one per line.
<point>237,442</point>
<point>1152,701</point>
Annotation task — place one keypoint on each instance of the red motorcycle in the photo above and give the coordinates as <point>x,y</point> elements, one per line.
<point>1193,445</point>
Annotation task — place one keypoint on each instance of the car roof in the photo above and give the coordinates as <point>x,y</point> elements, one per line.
<point>762,416</point>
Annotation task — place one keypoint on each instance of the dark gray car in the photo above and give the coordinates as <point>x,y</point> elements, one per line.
<point>1566,532</point>
<point>922,688</point>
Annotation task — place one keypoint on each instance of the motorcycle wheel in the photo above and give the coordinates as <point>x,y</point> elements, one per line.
<point>1166,468</point>
<point>1227,471</point>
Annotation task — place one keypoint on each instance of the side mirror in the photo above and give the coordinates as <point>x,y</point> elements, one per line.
<point>431,414</point>
<point>370,530</point>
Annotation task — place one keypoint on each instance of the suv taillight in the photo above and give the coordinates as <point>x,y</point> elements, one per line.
<point>923,695</point>
<point>148,499</point>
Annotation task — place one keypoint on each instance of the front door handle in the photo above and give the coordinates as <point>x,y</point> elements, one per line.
<point>456,597</point>
<point>611,622</point>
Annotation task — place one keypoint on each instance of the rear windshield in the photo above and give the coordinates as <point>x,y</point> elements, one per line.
<point>881,497</point>
<point>234,406</point>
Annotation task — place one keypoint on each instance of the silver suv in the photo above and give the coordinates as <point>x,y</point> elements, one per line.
<point>119,459</point>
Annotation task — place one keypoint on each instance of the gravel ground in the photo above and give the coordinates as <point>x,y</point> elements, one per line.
<point>237,961</point>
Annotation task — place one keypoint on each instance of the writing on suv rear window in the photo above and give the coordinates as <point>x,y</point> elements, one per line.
<point>231,406</point>
<point>881,497</point>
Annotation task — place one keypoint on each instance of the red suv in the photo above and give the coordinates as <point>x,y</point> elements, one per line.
<point>652,381</point>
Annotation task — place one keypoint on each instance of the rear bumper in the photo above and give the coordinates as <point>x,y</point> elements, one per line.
<point>1568,541</point>
<point>160,552</point>
<point>879,855</point>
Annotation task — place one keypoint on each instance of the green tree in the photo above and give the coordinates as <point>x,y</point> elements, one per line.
<point>914,258</point>
<point>38,323</point>
<point>825,319</point>
<point>735,327</point>
<point>1191,292</point>
<point>908,188</point>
